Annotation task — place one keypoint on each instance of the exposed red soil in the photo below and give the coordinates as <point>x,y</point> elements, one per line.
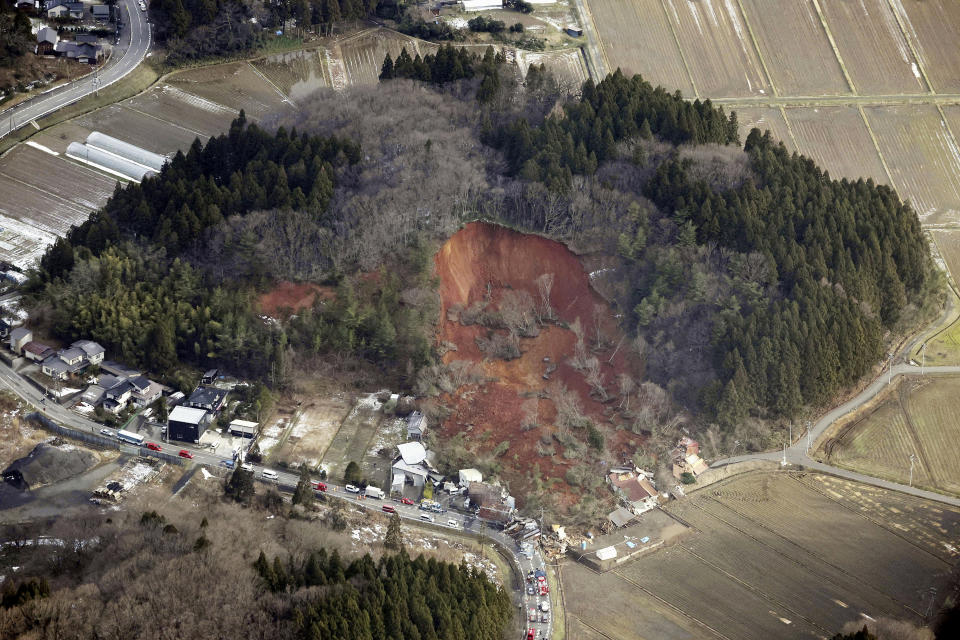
<point>290,297</point>
<point>482,255</point>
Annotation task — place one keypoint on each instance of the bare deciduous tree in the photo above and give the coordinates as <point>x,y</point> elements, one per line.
<point>531,411</point>
<point>544,287</point>
<point>595,378</point>
<point>579,360</point>
<point>626,386</point>
<point>517,311</point>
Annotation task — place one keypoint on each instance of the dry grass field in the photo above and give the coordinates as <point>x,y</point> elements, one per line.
<point>188,110</point>
<point>933,27</point>
<point>873,47</point>
<point>838,140</point>
<point>918,418</point>
<point>923,158</point>
<point>637,37</point>
<point>313,429</point>
<point>716,45</point>
<point>779,547</point>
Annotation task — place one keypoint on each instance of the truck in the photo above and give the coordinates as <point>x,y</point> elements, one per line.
<point>375,492</point>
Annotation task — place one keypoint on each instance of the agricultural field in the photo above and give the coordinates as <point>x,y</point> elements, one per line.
<point>716,45</point>
<point>838,140</point>
<point>235,85</point>
<point>943,348</point>
<point>355,436</point>
<point>188,110</point>
<point>778,546</point>
<point>142,129</point>
<point>568,65</point>
<point>314,428</point>
<point>916,419</point>
<point>763,118</point>
<point>933,27</point>
<point>794,47</point>
<point>637,37</point>
<point>874,50</point>
<point>923,158</point>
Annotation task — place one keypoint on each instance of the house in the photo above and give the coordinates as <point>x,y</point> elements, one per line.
<point>56,368</point>
<point>47,39</point>
<point>117,396</point>
<point>101,12</point>
<point>469,475</point>
<point>686,458</point>
<point>144,391</point>
<point>75,10</point>
<point>207,398</point>
<point>37,351</point>
<point>634,489</point>
<point>482,5</point>
<point>621,517</point>
<point>61,11</point>
<point>243,428</point>
<point>89,53</point>
<point>92,351</point>
<point>18,338</point>
<point>410,466</point>
<point>416,426</point>
<point>72,356</point>
<point>187,423</point>
<point>210,376</point>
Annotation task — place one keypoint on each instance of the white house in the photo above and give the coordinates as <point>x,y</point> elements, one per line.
<point>410,466</point>
<point>469,475</point>
<point>482,5</point>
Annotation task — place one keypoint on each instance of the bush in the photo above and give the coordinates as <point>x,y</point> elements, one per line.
<point>687,478</point>
<point>481,24</point>
<point>516,28</point>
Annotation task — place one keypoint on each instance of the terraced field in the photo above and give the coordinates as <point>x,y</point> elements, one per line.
<point>778,547</point>
<point>918,419</point>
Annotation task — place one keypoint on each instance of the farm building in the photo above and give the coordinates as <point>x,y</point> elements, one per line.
<point>187,424</point>
<point>36,351</point>
<point>18,338</point>
<point>416,426</point>
<point>126,150</point>
<point>621,517</point>
<point>482,5</point>
<point>243,428</point>
<point>47,39</point>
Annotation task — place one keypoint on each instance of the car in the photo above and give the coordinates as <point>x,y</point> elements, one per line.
<point>246,466</point>
<point>406,501</point>
<point>352,489</point>
<point>545,606</point>
<point>452,523</point>
<point>531,591</point>
<point>269,474</point>
<point>389,508</point>
<point>185,454</point>
<point>426,517</point>
<point>227,463</point>
<point>107,433</point>
<point>544,589</point>
<point>532,615</point>
<point>153,446</point>
<point>320,486</point>
<point>531,634</point>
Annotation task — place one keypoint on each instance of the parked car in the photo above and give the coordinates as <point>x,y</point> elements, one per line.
<point>227,463</point>
<point>269,474</point>
<point>185,454</point>
<point>246,466</point>
<point>531,591</point>
<point>352,489</point>
<point>153,446</point>
<point>426,517</point>
<point>544,589</point>
<point>320,486</point>
<point>532,615</point>
<point>531,634</point>
<point>545,606</point>
<point>452,523</point>
<point>389,508</point>
<point>107,433</point>
<point>406,501</point>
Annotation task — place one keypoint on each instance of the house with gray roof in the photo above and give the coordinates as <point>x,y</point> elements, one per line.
<point>18,338</point>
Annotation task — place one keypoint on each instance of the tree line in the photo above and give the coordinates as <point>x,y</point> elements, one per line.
<point>394,597</point>
<point>448,65</point>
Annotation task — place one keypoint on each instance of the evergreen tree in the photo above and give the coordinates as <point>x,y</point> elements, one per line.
<point>394,538</point>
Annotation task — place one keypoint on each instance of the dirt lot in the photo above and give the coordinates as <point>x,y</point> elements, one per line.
<point>778,547</point>
<point>353,440</point>
<point>314,428</point>
<point>918,418</point>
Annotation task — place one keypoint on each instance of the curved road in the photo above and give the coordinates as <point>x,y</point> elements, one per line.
<point>797,454</point>
<point>132,50</point>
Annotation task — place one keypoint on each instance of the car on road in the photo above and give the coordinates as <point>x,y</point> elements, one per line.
<point>531,591</point>
<point>389,508</point>
<point>531,634</point>
<point>227,463</point>
<point>406,501</point>
<point>532,615</point>
<point>545,606</point>
<point>320,486</point>
<point>185,454</point>
<point>452,523</point>
<point>269,474</point>
<point>352,489</point>
<point>426,517</point>
<point>544,589</point>
<point>153,446</point>
<point>246,466</point>
<point>107,433</point>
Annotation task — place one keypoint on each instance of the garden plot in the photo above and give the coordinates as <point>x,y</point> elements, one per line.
<point>636,37</point>
<point>360,59</point>
<point>765,119</point>
<point>837,139</point>
<point>717,47</point>
<point>355,435</point>
<point>313,429</point>
<point>236,84</point>
<point>57,176</point>
<point>140,129</point>
<point>794,46</point>
<point>567,66</point>
<point>933,26</point>
<point>873,47</point>
<point>173,104</point>
<point>923,159</point>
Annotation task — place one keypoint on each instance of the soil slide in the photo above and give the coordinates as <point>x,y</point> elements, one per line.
<point>289,297</point>
<point>481,263</point>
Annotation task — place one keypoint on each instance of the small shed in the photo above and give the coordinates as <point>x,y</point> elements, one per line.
<point>416,426</point>
<point>469,475</point>
<point>607,553</point>
<point>574,32</point>
<point>482,5</point>
<point>621,517</point>
<point>243,428</point>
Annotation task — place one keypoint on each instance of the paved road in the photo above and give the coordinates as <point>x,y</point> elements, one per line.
<point>797,453</point>
<point>134,44</point>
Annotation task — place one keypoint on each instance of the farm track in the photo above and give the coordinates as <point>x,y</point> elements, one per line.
<point>848,99</point>
<point>803,566</point>
<point>903,399</point>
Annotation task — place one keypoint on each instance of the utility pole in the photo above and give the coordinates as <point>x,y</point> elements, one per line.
<point>912,459</point>
<point>889,368</point>
<point>923,357</point>
<point>783,462</point>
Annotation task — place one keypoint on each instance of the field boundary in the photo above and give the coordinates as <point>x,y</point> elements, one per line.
<point>913,50</point>
<point>676,39</point>
<point>833,45</point>
<point>756,47</point>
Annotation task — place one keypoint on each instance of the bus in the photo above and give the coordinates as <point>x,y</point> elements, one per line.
<point>132,438</point>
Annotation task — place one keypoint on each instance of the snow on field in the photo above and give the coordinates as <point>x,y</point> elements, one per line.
<point>271,435</point>
<point>391,432</point>
<point>24,242</point>
<point>197,101</point>
<point>132,475</point>
<point>206,474</point>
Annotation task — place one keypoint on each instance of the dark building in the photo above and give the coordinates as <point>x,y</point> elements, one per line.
<point>187,424</point>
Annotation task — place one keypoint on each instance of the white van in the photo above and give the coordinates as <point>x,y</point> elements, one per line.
<point>374,492</point>
<point>269,474</point>
<point>426,517</point>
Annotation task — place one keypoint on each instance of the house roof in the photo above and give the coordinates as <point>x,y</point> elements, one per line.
<point>243,423</point>
<point>412,452</point>
<point>416,469</point>
<point>75,6</point>
<point>119,389</point>
<point>36,348</point>
<point>93,394</point>
<point>416,422</point>
<point>188,415</point>
<point>46,34</point>
<point>87,38</point>
<point>54,363</point>
<point>20,333</point>
<point>118,368</point>
<point>140,383</point>
<point>108,381</point>
<point>207,396</point>
<point>634,488</point>
<point>620,517</point>
<point>470,475</point>
<point>211,373</point>
<point>71,353</point>
<point>697,464</point>
<point>89,347</point>
<point>100,9</point>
